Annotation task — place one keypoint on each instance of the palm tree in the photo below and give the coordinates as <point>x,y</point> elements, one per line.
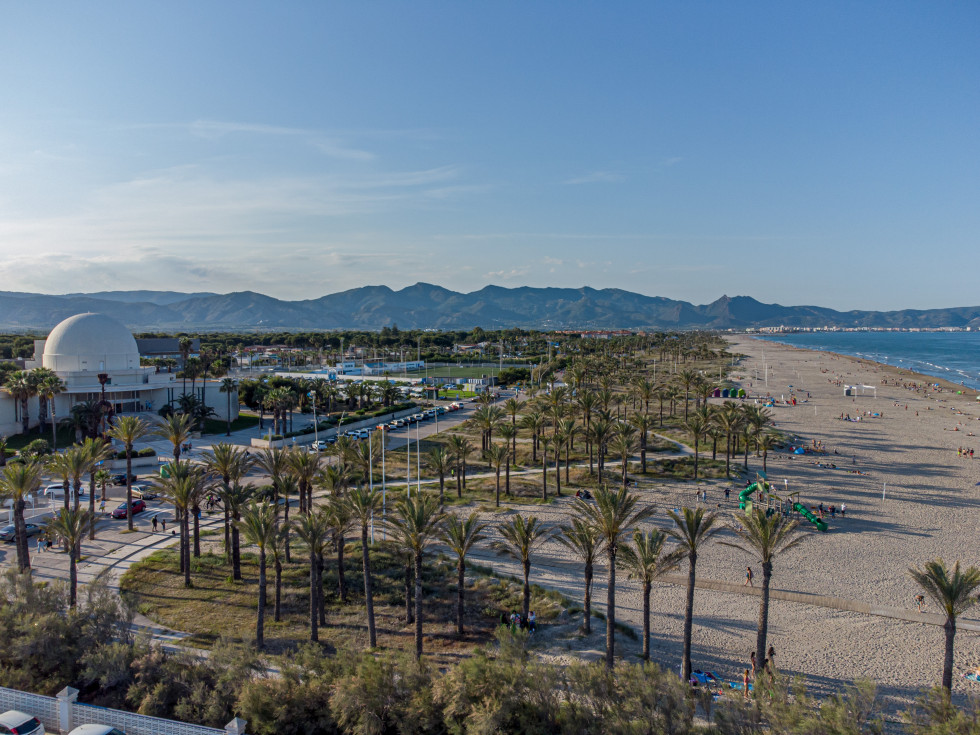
<point>568,430</point>
<point>364,503</point>
<point>21,388</point>
<point>507,433</point>
<point>534,422</point>
<point>520,538</point>
<point>461,448</point>
<point>514,406</point>
<point>440,461</point>
<point>612,516</point>
<point>180,485</point>
<point>585,541</point>
<point>643,423</point>
<point>304,466</point>
<point>234,498</point>
<point>341,520</point>
<point>692,530</point>
<point>623,445</point>
<point>729,418</point>
<point>686,379</point>
<point>600,434</point>
<point>461,536</point>
<point>77,460</point>
<point>415,524</point>
<point>17,482</point>
<point>70,526</point>
<point>278,549</point>
<point>258,524</point>
<point>496,455</point>
<point>102,480</point>
<point>47,388</point>
<point>768,440</point>
<point>96,451</point>
<point>229,386</point>
<point>697,426</point>
<point>230,464</point>
<point>646,561</point>
<point>312,529</point>
<point>954,594</point>
<point>176,429</point>
<point>764,538</point>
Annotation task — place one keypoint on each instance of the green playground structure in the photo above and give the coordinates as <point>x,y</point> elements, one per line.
<point>746,495</point>
<point>802,510</point>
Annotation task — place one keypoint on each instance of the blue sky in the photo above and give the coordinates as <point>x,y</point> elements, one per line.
<point>801,153</point>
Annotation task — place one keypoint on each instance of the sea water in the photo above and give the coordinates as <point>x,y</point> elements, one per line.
<point>952,356</point>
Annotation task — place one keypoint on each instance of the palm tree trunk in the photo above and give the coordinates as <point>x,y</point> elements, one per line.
<point>950,628</point>
<point>558,470</point>
<point>260,619</point>
<point>507,476</point>
<point>689,615</point>
<point>314,607</point>
<point>697,447</point>
<point>643,452</point>
<point>277,611</point>
<point>646,620</point>
<point>442,482</point>
<point>498,485</point>
<point>368,593</point>
<point>185,547</point>
<point>228,533</point>
<point>544,475</point>
<point>611,610</point>
<point>341,575</point>
<point>418,605</point>
<point>285,516</point>
<point>587,602</point>
<point>409,609</point>
<point>236,553</point>
<point>20,531</point>
<point>196,510</point>
<point>72,578</point>
<point>760,639</point>
<point>459,480</point>
<point>527,589</point>
<point>320,600</point>
<point>91,503</point>
<point>460,581</point>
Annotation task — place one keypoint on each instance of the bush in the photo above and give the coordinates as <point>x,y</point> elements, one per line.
<point>36,448</point>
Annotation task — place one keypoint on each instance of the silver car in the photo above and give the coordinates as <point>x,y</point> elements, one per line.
<point>20,723</point>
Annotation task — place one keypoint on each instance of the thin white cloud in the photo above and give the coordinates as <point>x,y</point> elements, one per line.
<point>597,177</point>
<point>672,161</point>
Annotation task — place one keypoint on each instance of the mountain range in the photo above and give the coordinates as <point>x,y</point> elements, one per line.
<point>425,306</point>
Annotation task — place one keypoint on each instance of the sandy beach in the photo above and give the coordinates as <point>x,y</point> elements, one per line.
<point>929,511</point>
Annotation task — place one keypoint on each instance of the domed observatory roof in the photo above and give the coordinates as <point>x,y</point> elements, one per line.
<point>90,342</point>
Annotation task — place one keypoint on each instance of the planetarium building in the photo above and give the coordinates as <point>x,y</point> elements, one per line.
<point>97,357</point>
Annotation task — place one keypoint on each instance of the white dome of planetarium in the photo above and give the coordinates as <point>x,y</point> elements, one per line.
<point>90,342</point>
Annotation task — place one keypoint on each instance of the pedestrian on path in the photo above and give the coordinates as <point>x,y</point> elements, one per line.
<point>40,543</point>
<point>919,601</point>
<point>154,522</point>
<point>163,522</point>
<point>102,506</point>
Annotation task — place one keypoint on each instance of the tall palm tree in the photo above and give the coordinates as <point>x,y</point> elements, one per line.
<point>697,426</point>
<point>278,549</point>
<point>47,388</point>
<point>646,561</point>
<point>507,433</point>
<point>496,455</point>
<point>17,482</point>
<point>258,525</point>
<point>693,530</point>
<point>729,418</point>
<point>623,445</point>
<point>78,462</point>
<point>768,440</point>
<point>364,504</point>
<point>568,430</point>
<point>764,538</point>
<point>512,407</point>
<point>96,452</point>
<point>229,386</point>
<point>312,529</point>
<point>440,461</point>
<point>180,486</point>
<point>70,526</point>
<point>415,524</point>
<point>533,421</point>
<point>234,498</point>
<point>520,538</point>
<point>643,424</point>
<point>229,464</point>
<point>584,540</point>
<point>21,388</point>
<point>544,442</point>
<point>461,536</point>
<point>461,448</point>
<point>341,520</point>
<point>686,379</point>
<point>612,516</point>
<point>953,591</point>
<point>304,466</point>
<point>176,429</point>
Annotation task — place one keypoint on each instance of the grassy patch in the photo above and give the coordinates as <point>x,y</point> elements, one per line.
<point>217,606</point>
<point>66,437</point>
<point>244,421</point>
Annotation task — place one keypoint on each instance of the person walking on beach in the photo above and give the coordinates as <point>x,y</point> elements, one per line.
<point>919,602</point>
<point>843,509</point>
<point>745,684</point>
<point>771,655</point>
<point>748,581</point>
<point>154,522</point>
<point>752,663</point>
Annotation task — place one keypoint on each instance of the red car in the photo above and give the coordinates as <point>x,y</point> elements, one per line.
<point>139,505</point>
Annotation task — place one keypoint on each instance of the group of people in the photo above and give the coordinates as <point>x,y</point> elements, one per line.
<point>768,667</point>
<point>964,452</point>
<point>516,622</point>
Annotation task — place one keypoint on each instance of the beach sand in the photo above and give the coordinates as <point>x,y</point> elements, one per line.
<point>930,510</point>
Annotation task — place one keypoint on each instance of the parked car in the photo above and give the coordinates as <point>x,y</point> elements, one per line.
<point>14,722</point>
<point>121,479</point>
<point>57,490</point>
<point>139,505</point>
<point>96,730</point>
<point>363,434</point>
<point>320,444</point>
<point>144,492</point>
<point>7,535</point>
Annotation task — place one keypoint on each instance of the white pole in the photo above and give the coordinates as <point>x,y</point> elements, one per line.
<point>371,477</point>
<point>883,485</point>
<point>408,460</point>
<point>418,455</point>
<point>384,509</point>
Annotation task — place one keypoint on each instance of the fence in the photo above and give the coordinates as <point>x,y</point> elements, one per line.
<point>63,713</point>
